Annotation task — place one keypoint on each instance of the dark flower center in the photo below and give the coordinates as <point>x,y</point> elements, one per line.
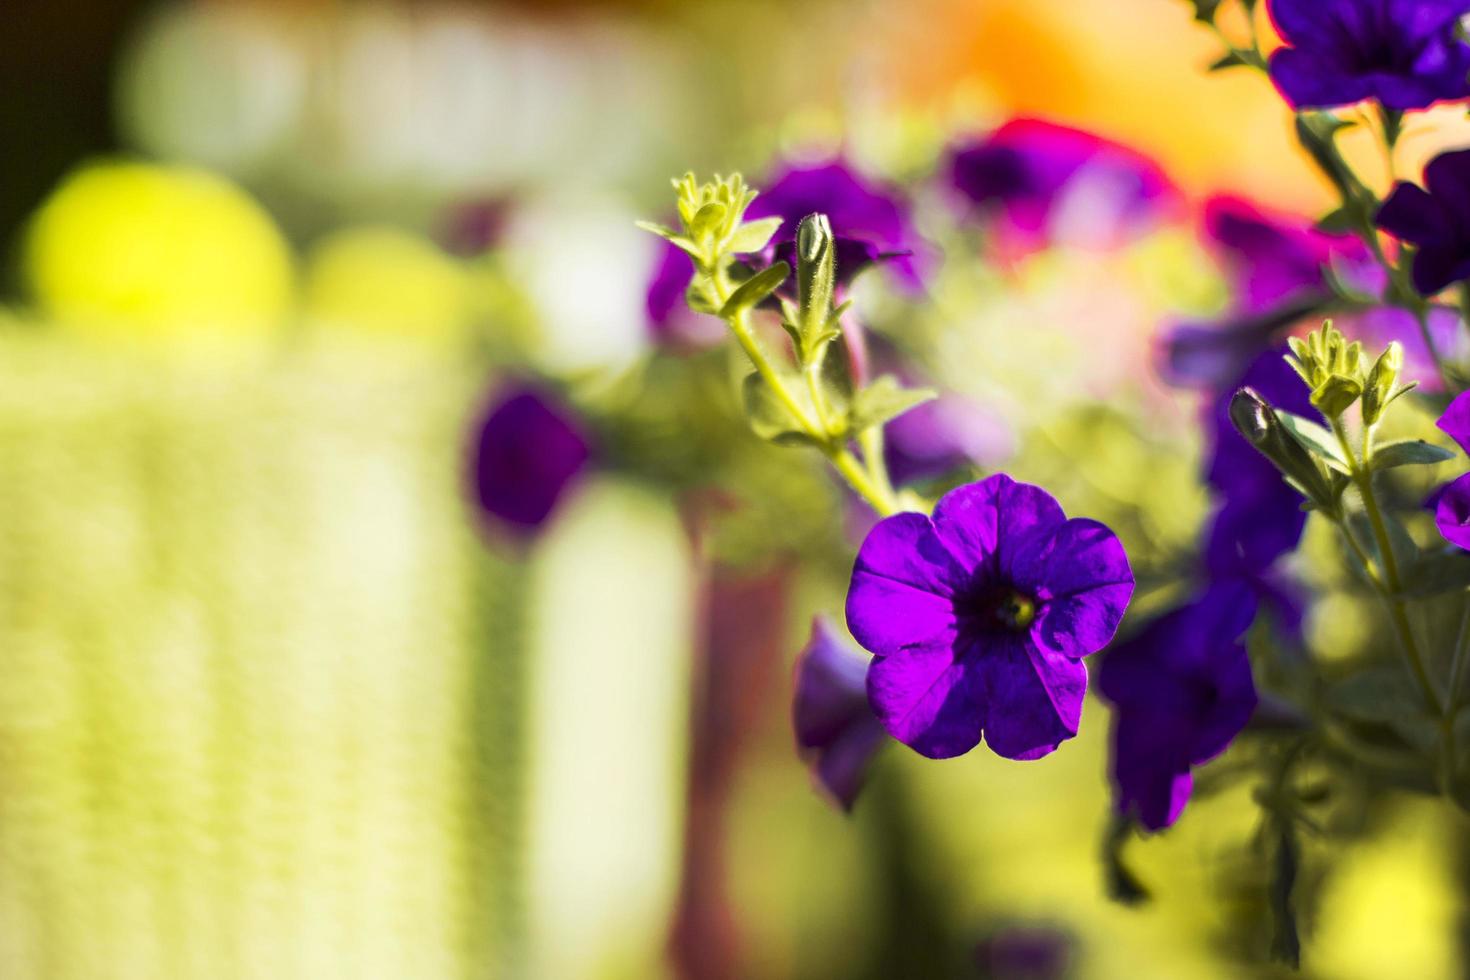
<point>998,610</point>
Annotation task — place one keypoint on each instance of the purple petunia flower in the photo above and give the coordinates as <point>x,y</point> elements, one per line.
<point>1052,182</point>
<point>1451,502</point>
<point>1407,54</point>
<point>526,452</point>
<point>1182,691</point>
<point>979,617</point>
<point>835,728</point>
<point>1437,220</point>
<point>871,224</point>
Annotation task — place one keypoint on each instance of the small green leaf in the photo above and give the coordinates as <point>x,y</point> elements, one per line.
<point>698,299</point>
<point>755,289</point>
<point>753,236</point>
<point>1336,222</point>
<point>1437,573</point>
<point>706,220</point>
<point>885,399</point>
<point>1336,395</point>
<point>1316,439</point>
<point>768,414</point>
<point>1231,59</point>
<point>1409,452</point>
<point>1381,694</point>
<point>671,236</point>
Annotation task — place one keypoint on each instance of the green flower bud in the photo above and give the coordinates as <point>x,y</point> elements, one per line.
<point>1381,381</point>
<point>1336,395</point>
<point>1258,422</point>
<point>816,273</point>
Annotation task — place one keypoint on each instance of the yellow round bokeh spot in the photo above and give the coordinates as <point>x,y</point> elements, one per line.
<point>384,280</point>
<point>130,249</point>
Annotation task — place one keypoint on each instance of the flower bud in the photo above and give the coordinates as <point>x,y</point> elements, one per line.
<point>1336,395</point>
<point>1258,422</point>
<point>1381,381</point>
<point>816,272</point>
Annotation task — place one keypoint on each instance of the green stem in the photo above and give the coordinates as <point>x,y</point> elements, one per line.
<point>878,493</point>
<point>1457,664</point>
<point>1391,585</point>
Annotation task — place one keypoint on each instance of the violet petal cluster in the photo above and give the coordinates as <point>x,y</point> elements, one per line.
<point>1049,181</point>
<point>835,729</point>
<point>979,617</point>
<point>1436,219</point>
<point>1451,503</point>
<point>527,450</point>
<point>1182,691</point>
<point>1407,54</point>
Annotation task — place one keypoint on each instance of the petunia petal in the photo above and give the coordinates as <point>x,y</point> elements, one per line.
<point>1309,81</point>
<point>902,583</point>
<point>1035,699</point>
<point>1437,266</point>
<point>1151,782</point>
<point>1455,422</point>
<point>929,700</point>
<point>1447,178</point>
<point>1080,577</point>
<point>1452,512</point>
<point>1411,215</point>
<point>975,520</point>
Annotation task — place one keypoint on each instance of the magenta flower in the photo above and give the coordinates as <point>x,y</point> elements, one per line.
<point>1451,503</point>
<point>835,729</point>
<point>527,451</point>
<point>1437,220</point>
<point>979,617</point>
<point>1182,691</point>
<point>1407,54</point>
<point>1049,181</point>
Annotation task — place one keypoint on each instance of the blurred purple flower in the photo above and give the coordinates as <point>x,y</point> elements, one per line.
<point>1407,54</point>
<point>1260,517</point>
<point>527,450</point>
<point>1437,220</point>
<point>1052,182</point>
<point>1275,266</point>
<point>1451,503</point>
<point>1024,951</point>
<point>871,222</point>
<point>942,436</point>
<point>1181,690</point>
<point>979,617</point>
<point>836,730</point>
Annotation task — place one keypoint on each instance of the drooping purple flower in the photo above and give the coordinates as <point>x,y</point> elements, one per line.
<point>527,450</point>
<point>836,730</point>
<point>1052,182</point>
<point>1407,54</point>
<point>1437,220</point>
<point>1181,690</point>
<point>979,617</point>
<point>1451,503</point>
<point>871,223</point>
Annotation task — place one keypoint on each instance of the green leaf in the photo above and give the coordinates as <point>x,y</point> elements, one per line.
<point>755,289</point>
<point>671,236</point>
<point>768,414</point>
<point>1315,439</point>
<point>1405,550</point>
<point>1409,452</point>
<point>1337,222</point>
<point>1380,694</point>
<point>1437,573</point>
<point>753,235</point>
<point>698,299</point>
<point>1231,59</point>
<point>706,220</point>
<point>1335,395</point>
<point>885,399</point>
